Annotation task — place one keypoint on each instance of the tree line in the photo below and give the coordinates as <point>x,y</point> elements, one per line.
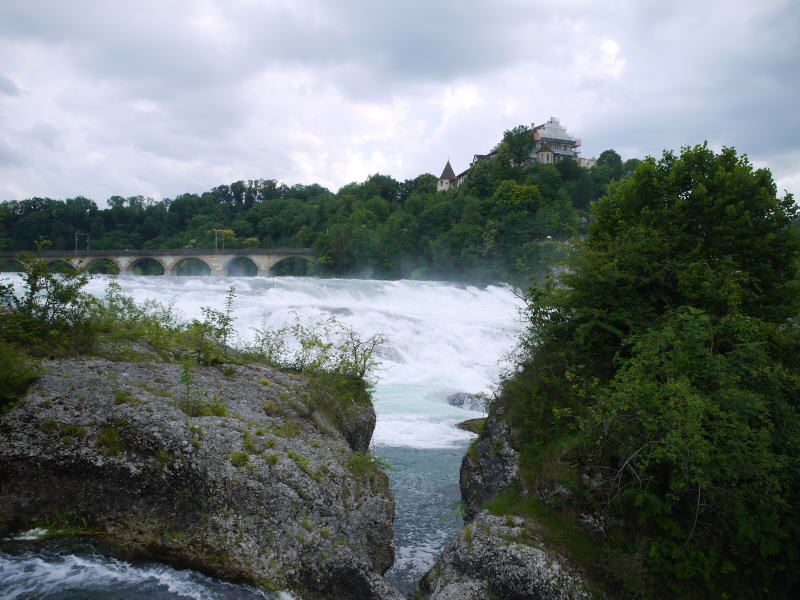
<point>504,224</point>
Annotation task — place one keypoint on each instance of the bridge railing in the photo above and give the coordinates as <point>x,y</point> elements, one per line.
<point>158,252</point>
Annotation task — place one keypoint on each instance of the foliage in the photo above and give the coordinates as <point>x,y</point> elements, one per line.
<point>366,465</point>
<point>240,459</point>
<point>49,311</point>
<point>209,338</point>
<point>109,441</point>
<point>666,359</point>
<point>324,345</point>
<point>121,319</point>
<point>17,371</point>
<point>519,143</point>
<point>380,228</point>
<point>698,433</point>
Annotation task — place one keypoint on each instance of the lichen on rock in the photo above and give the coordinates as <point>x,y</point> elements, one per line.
<point>491,558</point>
<point>244,475</point>
<point>497,556</point>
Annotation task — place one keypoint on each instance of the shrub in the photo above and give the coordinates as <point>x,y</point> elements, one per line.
<point>287,429</point>
<point>51,314</point>
<point>240,459</point>
<point>17,372</point>
<point>218,408</point>
<point>124,397</point>
<point>365,464</point>
<point>109,442</point>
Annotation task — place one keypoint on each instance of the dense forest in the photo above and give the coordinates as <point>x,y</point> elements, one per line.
<point>504,224</point>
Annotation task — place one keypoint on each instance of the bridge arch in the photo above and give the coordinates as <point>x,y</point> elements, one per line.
<point>10,265</point>
<point>60,265</point>
<point>241,266</point>
<point>103,266</point>
<point>147,265</point>
<point>292,265</point>
<point>191,265</point>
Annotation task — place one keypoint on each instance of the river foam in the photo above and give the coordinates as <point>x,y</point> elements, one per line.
<point>65,574</point>
<point>442,338</point>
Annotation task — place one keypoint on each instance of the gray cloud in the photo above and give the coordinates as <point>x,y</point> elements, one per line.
<point>161,98</point>
<point>8,87</point>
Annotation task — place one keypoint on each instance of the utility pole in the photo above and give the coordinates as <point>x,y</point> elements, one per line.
<point>76,240</point>
<point>216,239</point>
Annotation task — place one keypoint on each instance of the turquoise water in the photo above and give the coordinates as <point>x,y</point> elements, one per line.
<point>426,490</point>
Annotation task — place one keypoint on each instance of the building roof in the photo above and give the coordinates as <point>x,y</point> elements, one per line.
<point>448,172</point>
<point>553,130</point>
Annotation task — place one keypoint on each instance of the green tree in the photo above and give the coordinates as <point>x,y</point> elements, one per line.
<point>518,142</point>
<point>609,158</point>
<point>670,346</point>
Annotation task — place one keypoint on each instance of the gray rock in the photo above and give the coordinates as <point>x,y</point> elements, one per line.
<point>490,464</point>
<point>497,557</point>
<point>476,402</point>
<point>246,477</point>
<point>494,557</point>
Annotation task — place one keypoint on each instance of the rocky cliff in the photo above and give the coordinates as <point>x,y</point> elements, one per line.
<point>498,556</point>
<point>238,472</point>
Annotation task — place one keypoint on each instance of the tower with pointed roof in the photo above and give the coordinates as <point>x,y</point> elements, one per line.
<point>447,178</point>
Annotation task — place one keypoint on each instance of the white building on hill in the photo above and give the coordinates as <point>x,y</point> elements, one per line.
<point>552,144</point>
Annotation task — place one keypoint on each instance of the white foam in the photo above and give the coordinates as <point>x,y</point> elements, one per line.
<point>30,575</point>
<point>444,338</point>
<point>31,534</point>
<point>415,431</point>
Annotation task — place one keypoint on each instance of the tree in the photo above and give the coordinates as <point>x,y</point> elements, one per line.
<point>671,347</point>
<point>697,229</point>
<point>518,142</point>
<point>609,158</point>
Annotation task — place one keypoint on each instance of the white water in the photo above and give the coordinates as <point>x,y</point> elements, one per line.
<point>443,338</point>
<point>65,575</point>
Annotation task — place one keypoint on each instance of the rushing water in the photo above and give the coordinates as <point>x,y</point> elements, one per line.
<point>442,338</point>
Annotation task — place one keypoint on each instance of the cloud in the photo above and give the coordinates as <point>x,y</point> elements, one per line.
<point>163,98</point>
<point>8,87</point>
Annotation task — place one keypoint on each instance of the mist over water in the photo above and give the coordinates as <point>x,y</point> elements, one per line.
<point>442,338</point>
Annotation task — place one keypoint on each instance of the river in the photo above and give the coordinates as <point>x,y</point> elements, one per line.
<point>443,338</point>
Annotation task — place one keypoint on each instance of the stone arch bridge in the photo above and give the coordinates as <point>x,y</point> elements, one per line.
<point>254,261</point>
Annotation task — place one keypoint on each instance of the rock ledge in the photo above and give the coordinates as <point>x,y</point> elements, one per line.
<point>241,476</point>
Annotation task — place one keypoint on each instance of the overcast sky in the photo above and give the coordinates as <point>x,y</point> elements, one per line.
<point>101,97</point>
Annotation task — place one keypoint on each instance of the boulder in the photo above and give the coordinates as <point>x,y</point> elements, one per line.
<point>245,475</point>
<point>495,557</point>
<point>498,556</point>
<point>476,402</point>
